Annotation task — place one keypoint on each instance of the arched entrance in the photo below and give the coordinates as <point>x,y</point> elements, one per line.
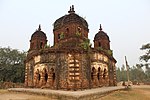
<point>53,74</point>
<point>46,76</point>
<point>93,73</point>
<point>104,74</point>
<point>37,78</point>
<point>98,74</point>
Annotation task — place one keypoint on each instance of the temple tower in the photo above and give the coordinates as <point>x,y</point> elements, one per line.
<point>69,27</point>
<point>38,40</point>
<point>101,40</point>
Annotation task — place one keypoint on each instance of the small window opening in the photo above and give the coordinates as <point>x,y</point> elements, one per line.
<point>58,36</point>
<point>41,45</point>
<point>99,44</point>
<point>39,77</point>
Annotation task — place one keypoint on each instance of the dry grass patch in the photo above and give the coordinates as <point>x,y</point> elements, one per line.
<point>3,91</point>
<point>133,94</point>
<point>6,95</point>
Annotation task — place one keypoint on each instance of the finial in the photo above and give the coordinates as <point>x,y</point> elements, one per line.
<point>39,27</point>
<point>100,27</point>
<point>71,9</point>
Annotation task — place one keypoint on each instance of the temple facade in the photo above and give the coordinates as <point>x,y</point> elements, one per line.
<point>71,63</point>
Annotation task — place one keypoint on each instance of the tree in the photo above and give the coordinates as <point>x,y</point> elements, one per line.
<point>146,58</point>
<point>136,74</point>
<point>12,65</point>
<point>118,72</point>
<point>123,74</point>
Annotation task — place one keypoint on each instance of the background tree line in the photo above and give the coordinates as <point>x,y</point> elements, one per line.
<point>12,67</point>
<point>139,72</point>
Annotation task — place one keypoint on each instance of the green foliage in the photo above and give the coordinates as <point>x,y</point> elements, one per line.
<point>11,65</point>
<point>136,73</point>
<point>100,48</point>
<point>78,34</point>
<point>145,58</point>
<point>62,36</point>
<point>121,74</point>
<point>86,44</point>
<point>118,73</point>
<point>47,46</point>
<point>109,52</point>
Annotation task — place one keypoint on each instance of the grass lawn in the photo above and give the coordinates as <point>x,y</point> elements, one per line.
<point>133,94</point>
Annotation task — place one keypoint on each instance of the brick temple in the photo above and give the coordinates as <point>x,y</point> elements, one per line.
<point>71,63</point>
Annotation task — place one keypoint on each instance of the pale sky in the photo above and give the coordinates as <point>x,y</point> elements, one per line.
<point>127,22</point>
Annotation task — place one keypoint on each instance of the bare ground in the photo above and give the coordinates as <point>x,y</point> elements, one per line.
<point>6,95</point>
<point>137,93</point>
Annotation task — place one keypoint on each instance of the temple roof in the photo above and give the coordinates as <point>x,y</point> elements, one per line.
<point>72,17</point>
<point>101,35</point>
<point>38,34</point>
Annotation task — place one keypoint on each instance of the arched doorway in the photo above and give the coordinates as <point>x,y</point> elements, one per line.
<point>46,75</point>
<point>98,74</point>
<point>53,74</point>
<point>37,78</point>
<point>38,75</point>
<point>93,72</point>
<point>104,74</point>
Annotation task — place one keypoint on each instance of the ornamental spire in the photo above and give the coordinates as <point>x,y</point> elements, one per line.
<point>39,29</point>
<point>100,27</point>
<point>71,9</point>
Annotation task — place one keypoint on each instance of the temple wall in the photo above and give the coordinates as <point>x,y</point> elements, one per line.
<point>69,71</point>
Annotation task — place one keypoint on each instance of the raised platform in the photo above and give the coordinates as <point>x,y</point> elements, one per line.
<point>89,94</point>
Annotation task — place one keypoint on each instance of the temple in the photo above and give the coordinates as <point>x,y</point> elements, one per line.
<point>71,63</point>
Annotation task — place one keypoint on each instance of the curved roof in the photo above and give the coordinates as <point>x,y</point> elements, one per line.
<point>101,35</point>
<point>38,34</point>
<point>72,17</point>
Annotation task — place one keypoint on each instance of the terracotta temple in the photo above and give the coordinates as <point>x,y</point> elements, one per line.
<point>71,63</point>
